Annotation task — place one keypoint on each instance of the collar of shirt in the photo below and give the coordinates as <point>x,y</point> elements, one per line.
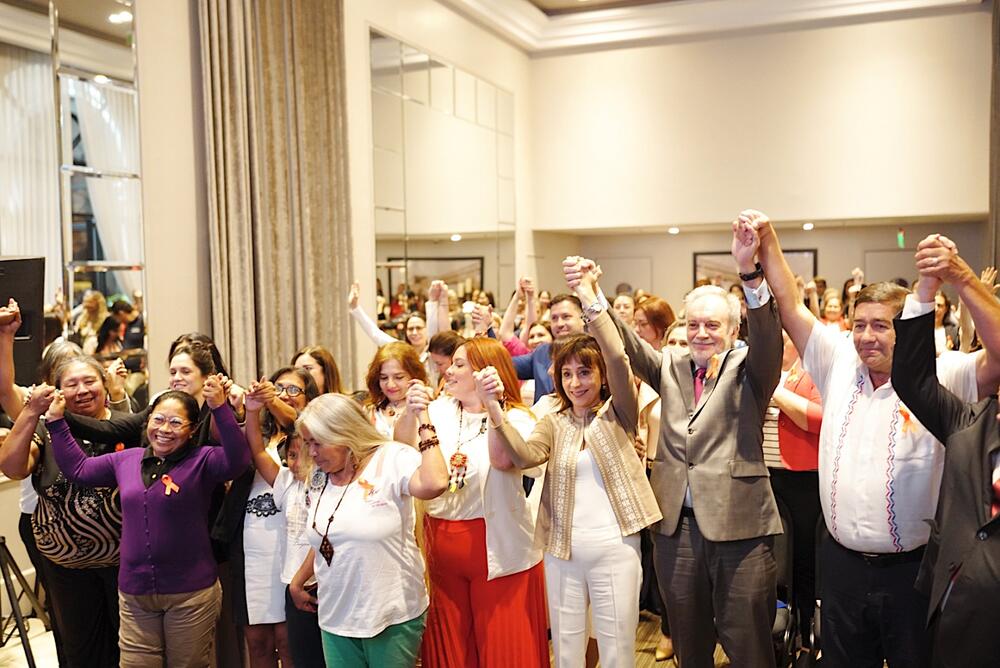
<point>154,467</point>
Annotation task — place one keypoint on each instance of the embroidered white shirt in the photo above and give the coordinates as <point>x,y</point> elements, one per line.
<point>879,468</point>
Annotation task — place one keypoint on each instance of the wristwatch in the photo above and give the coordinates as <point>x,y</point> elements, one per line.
<point>593,310</point>
<point>757,272</point>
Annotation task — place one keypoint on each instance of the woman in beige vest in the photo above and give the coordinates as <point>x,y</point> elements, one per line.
<point>595,499</point>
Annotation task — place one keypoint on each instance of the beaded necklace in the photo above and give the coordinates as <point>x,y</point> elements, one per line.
<point>459,462</point>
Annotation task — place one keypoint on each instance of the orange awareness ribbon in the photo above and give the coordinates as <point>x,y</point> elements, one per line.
<point>367,486</point>
<point>908,424</point>
<point>119,447</point>
<point>713,367</point>
<point>169,484</point>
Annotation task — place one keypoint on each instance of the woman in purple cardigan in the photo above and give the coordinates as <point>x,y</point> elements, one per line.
<point>168,588</point>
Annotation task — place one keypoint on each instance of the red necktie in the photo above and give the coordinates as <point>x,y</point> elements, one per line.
<point>699,383</point>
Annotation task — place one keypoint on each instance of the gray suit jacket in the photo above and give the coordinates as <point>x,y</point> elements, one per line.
<point>715,446</point>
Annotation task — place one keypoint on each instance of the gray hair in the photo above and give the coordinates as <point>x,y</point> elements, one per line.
<point>701,292</point>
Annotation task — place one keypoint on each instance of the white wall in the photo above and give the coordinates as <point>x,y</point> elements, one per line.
<point>880,119</point>
<point>175,209</point>
<point>839,251</point>
<point>442,32</point>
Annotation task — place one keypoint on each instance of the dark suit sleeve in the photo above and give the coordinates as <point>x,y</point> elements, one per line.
<point>764,349</point>
<point>914,378</point>
<point>645,361</point>
<point>119,428</point>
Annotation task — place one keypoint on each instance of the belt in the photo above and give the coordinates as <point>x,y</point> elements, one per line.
<point>885,559</point>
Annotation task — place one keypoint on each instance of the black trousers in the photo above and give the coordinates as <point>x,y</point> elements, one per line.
<point>726,588</point>
<point>799,491</point>
<point>28,539</point>
<point>304,636</point>
<point>871,611</point>
<point>85,605</point>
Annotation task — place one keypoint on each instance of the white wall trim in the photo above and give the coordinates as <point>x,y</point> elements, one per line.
<point>529,28</point>
<point>30,30</point>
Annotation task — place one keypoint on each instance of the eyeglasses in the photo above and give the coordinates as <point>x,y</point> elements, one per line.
<point>175,423</point>
<point>290,390</point>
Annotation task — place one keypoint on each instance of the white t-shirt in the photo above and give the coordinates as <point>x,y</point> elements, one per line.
<point>879,468</point>
<point>376,576</point>
<point>291,496</point>
<point>471,439</point>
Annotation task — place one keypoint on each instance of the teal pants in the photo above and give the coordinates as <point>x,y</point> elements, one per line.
<point>396,647</point>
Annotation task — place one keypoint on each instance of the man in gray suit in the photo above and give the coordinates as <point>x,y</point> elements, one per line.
<point>713,548</point>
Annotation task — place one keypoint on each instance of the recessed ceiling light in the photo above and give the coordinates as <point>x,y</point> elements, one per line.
<point>674,230</point>
<point>101,79</point>
<point>807,226</point>
<point>456,237</point>
<point>123,16</point>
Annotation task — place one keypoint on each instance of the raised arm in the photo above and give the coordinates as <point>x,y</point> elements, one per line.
<point>503,435</point>
<point>368,326</point>
<point>506,332</point>
<point>805,412</point>
<point>430,480</point>
<point>126,429</point>
<point>916,383</point>
<point>621,382</point>
<point>797,320</point>
<point>11,396</point>
<point>645,361</point>
<point>233,457</point>
<point>490,389</point>
<point>72,460</point>
<point>530,308</point>
<point>19,454</point>
<point>937,258</point>
<point>407,426</point>
<point>259,396</point>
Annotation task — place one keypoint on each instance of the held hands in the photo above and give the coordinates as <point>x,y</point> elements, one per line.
<point>937,257</point>
<point>302,598</point>
<point>261,394</point>
<point>489,387</point>
<point>526,288</point>
<point>437,290</point>
<point>482,319</point>
<point>353,295</point>
<point>746,238</point>
<point>214,390</point>
<point>10,318</point>
<point>418,397</point>
<point>57,407</point>
<point>39,399</point>
<point>581,276</point>
<point>117,373</point>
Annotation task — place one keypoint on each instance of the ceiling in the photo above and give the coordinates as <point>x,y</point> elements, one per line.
<point>552,7</point>
<point>89,17</point>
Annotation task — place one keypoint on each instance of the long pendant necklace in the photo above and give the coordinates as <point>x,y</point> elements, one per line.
<point>459,462</point>
<point>325,546</point>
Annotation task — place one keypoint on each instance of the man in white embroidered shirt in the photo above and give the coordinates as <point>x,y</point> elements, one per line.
<point>879,469</point>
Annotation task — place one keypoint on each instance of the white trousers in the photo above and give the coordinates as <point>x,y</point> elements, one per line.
<point>606,572</point>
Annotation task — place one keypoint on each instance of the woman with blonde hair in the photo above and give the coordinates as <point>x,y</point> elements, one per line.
<point>369,570</point>
<point>487,588</point>
<point>388,378</point>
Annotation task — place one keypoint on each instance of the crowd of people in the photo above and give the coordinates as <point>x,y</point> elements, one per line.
<point>511,489</point>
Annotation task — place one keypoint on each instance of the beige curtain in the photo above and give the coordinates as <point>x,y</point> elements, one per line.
<point>278,194</point>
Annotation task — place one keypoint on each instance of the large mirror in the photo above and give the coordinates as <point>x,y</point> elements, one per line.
<point>443,157</point>
<point>69,114</point>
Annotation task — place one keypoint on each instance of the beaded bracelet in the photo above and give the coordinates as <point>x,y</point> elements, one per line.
<point>428,427</point>
<point>428,444</point>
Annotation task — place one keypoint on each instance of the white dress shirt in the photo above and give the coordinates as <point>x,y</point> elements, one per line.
<point>879,468</point>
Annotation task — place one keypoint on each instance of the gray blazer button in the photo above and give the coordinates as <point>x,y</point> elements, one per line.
<point>690,430</point>
<point>690,465</point>
<point>981,535</point>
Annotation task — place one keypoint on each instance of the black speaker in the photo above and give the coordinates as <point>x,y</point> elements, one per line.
<point>23,278</point>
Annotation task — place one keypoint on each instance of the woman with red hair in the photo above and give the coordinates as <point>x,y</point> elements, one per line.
<point>487,588</point>
<point>389,375</point>
<point>653,317</point>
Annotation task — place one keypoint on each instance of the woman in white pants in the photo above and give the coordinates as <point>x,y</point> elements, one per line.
<point>595,499</point>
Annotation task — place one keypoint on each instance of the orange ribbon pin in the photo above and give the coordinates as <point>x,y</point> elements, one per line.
<point>713,367</point>
<point>367,486</point>
<point>169,485</point>
<point>119,447</point>
<point>908,424</point>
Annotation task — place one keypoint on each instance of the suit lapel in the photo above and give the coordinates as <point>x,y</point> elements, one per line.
<point>685,379</point>
<point>986,478</point>
<point>715,368</point>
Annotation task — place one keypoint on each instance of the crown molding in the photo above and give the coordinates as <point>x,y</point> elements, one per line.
<point>526,26</point>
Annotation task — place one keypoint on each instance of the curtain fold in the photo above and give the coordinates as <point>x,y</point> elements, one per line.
<point>994,220</point>
<point>29,184</point>
<point>277,165</point>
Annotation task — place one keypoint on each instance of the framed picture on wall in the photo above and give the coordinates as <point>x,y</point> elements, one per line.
<point>462,274</point>
<point>719,268</point>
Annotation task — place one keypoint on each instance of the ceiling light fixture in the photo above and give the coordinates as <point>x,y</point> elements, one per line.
<point>118,18</point>
<point>101,79</point>
<point>456,237</point>
<point>807,227</point>
<point>673,230</point>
